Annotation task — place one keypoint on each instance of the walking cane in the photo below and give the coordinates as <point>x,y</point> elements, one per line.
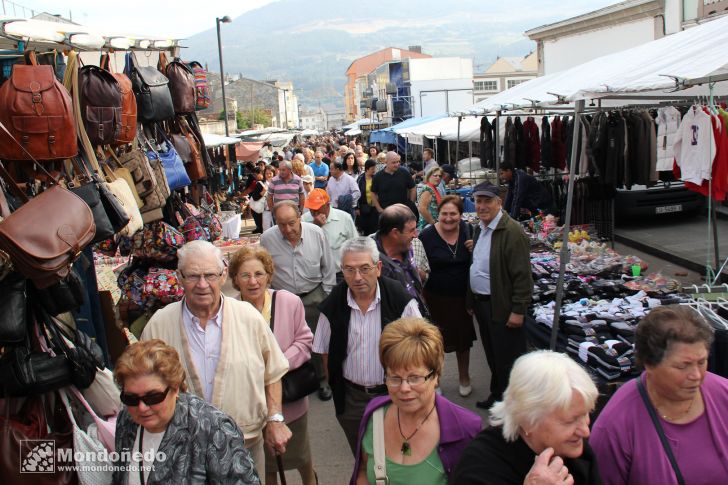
<point>279,463</point>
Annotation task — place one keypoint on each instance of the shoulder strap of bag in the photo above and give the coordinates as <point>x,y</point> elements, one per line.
<point>660,431</point>
<point>273,310</point>
<point>380,459</point>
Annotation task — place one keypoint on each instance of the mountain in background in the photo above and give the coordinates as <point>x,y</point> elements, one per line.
<point>312,43</point>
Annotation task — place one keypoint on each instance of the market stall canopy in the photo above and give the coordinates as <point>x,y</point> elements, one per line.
<point>388,134</point>
<point>652,68</point>
<point>353,132</point>
<point>361,122</point>
<point>212,140</point>
<point>81,37</point>
<point>310,133</point>
<point>445,128</point>
<point>248,151</point>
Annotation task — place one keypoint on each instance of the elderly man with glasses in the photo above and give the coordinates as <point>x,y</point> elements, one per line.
<point>349,328</point>
<point>241,374</point>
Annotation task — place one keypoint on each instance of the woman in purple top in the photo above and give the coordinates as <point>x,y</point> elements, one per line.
<point>424,433</point>
<point>691,405</point>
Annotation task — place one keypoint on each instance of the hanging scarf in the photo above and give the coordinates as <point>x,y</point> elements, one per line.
<point>438,196</point>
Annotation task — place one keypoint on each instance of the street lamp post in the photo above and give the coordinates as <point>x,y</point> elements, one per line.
<point>218,21</point>
<point>285,107</point>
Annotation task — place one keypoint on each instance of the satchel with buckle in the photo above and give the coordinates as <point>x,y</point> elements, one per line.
<point>300,382</point>
<point>128,128</point>
<point>46,234</point>
<point>151,89</point>
<point>181,84</point>
<point>100,99</point>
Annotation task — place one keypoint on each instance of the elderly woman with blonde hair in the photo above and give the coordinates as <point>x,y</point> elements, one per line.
<point>538,432</point>
<point>179,437</point>
<point>422,433</point>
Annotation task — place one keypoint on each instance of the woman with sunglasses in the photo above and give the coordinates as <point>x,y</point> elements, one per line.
<point>424,433</point>
<point>165,435</point>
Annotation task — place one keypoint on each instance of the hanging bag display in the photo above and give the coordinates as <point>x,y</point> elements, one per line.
<point>88,190</point>
<point>128,128</point>
<point>37,111</point>
<point>123,192</point>
<point>47,233</point>
<point>100,97</point>
<point>151,89</point>
<point>202,90</point>
<point>181,84</point>
<point>196,165</point>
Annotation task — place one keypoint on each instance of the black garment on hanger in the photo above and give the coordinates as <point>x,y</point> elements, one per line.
<point>546,152</point>
<point>520,143</point>
<point>487,144</point>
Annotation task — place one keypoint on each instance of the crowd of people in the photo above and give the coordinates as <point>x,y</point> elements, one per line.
<point>363,280</point>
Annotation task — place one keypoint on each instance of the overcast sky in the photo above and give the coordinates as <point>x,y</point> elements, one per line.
<point>183,18</point>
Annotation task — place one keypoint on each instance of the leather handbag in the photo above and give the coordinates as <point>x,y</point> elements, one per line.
<point>300,382</point>
<point>45,235</point>
<point>151,89</point>
<point>196,165</point>
<point>116,208</point>
<point>100,98</point>
<point>89,191</point>
<point>65,296</point>
<point>25,372</point>
<point>37,111</point>
<point>122,173</point>
<point>13,326</point>
<point>128,129</point>
<point>181,84</point>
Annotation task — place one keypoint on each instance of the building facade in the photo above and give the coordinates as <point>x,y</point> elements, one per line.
<point>313,119</point>
<point>503,74</point>
<point>358,84</point>
<point>576,40</point>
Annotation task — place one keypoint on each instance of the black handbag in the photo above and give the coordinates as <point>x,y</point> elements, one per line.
<point>89,191</point>
<point>25,372</point>
<point>118,216</point>
<point>65,296</point>
<point>297,383</point>
<point>13,327</point>
<point>84,357</point>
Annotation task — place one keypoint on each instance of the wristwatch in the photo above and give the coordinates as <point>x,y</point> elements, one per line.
<point>276,418</point>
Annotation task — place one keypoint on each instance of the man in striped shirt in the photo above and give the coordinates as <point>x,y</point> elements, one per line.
<point>286,186</point>
<point>349,328</point>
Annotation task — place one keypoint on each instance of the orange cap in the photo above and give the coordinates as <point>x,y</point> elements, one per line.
<point>317,199</point>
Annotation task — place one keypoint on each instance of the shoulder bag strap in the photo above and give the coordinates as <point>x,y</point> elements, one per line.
<point>380,458</point>
<point>660,431</point>
<point>273,310</point>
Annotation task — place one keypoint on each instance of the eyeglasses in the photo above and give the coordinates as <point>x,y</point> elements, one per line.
<point>363,270</point>
<point>195,278</point>
<point>396,381</point>
<point>258,275</point>
<point>149,399</point>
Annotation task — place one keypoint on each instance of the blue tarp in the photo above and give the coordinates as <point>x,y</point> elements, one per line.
<point>387,135</point>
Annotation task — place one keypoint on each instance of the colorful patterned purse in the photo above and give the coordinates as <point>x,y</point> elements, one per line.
<point>158,241</point>
<point>162,285</point>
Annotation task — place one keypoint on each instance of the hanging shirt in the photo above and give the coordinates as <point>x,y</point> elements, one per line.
<point>668,122</point>
<point>695,146</point>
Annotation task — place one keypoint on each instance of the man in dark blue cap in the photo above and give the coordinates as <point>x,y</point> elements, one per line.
<point>500,286</point>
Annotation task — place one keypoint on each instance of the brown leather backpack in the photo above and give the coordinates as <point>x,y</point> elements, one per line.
<point>181,84</point>
<point>127,132</point>
<point>100,98</point>
<point>37,110</point>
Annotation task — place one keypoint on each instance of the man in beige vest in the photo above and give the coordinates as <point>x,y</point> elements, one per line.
<point>240,374</point>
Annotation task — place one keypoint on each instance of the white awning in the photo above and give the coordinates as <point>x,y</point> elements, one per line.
<point>212,140</point>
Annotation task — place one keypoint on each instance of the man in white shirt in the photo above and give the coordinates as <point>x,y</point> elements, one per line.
<point>337,225</point>
<point>349,329</point>
<point>342,184</point>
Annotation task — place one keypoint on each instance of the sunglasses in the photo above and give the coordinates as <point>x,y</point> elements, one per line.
<point>149,399</point>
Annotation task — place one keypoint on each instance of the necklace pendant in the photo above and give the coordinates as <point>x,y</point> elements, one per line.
<point>406,449</point>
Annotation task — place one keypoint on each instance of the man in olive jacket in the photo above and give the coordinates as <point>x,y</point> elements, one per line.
<point>500,287</point>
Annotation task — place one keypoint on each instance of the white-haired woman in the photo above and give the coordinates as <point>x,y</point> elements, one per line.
<point>538,432</point>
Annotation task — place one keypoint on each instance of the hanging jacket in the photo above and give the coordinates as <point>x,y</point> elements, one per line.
<point>668,122</point>
<point>520,145</point>
<point>613,173</point>
<point>532,143</point>
<point>558,148</point>
<point>487,144</point>
<point>509,142</point>
<point>597,145</point>
<point>546,149</point>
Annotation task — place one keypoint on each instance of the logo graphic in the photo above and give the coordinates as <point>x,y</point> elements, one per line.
<point>40,459</point>
<point>695,129</point>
